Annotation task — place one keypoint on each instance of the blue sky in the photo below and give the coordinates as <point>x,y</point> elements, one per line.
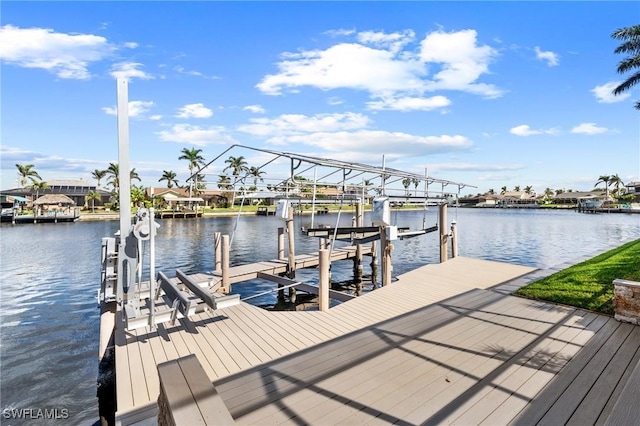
<point>491,94</point>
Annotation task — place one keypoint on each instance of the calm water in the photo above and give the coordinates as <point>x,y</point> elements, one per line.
<point>50,276</point>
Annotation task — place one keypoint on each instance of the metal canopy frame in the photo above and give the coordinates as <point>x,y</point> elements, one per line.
<point>386,174</point>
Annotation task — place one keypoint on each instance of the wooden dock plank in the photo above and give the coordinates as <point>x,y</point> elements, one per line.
<point>406,353</point>
<point>549,356</point>
<point>595,400</point>
<point>540,405</point>
<point>381,386</point>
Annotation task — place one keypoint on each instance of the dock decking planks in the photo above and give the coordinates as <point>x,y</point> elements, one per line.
<point>242,348</point>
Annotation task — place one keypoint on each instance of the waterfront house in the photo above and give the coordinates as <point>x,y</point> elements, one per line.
<point>76,190</point>
<point>518,199</point>
<point>571,199</point>
<point>633,188</point>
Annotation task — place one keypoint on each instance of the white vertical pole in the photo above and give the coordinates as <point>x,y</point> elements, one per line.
<point>313,200</point>
<point>123,158</point>
<point>152,265</point>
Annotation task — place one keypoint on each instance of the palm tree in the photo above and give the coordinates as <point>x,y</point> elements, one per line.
<point>26,171</point>
<point>630,37</point>
<point>195,160</point>
<point>37,186</point>
<point>606,179</point>
<point>406,182</point>
<point>113,171</point>
<point>98,175</point>
<point>491,191</point>
<point>548,192</point>
<point>528,189</point>
<point>237,165</point>
<point>516,188</point>
<point>114,175</point>
<point>138,194</point>
<point>503,190</point>
<point>256,174</point>
<point>93,196</point>
<point>617,182</point>
<point>224,182</point>
<point>170,177</point>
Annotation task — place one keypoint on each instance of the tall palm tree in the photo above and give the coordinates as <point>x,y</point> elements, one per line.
<point>113,171</point>
<point>224,182</point>
<point>114,175</point>
<point>616,182</point>
<point>93,196</point>
<point>26,171</point>
<point>237,165</point>
<point>606,179</point>
<point>503,190</point>
<point>98,175</point>
<point>37,186</point>
<point>194,158</point>
<point>516,188</point>
<point>256,174</point>
<point>528,189</point>
<point>630,37</point>
<point>406,182</point>
<point>170,177</point>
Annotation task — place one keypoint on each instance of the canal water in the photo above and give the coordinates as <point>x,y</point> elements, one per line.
<point>49,278</point>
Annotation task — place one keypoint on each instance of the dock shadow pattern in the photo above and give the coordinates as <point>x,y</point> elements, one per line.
<point>322,376</point>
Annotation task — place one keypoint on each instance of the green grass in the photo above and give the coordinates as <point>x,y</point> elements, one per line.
<point>589,284</point>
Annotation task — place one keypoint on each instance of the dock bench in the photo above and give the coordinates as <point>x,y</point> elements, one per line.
<point>187,397</point>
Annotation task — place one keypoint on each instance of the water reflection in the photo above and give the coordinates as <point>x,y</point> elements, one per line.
<point>50,276</point>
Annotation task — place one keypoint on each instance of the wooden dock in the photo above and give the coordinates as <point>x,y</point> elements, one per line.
<point>443,344</point>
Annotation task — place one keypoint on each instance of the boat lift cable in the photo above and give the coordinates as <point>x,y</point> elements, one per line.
<point>235,225</point>
<point>270,291</point>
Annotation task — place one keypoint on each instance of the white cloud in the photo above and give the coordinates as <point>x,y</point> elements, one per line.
<point>604,93</point>
<point>291,124</point>
<point>136,108</point>
<point>469,167</point>
<point>194,111</point>
<point>65,55</point>
<point>551,58</point>
<point>256,109</point>
<point>129,70</point>
<point>387,66</point>
<point>525,130</point>
<point>410,104</point>
<point>588,129</point>
<point>392,41</point>
<point>334,100</point>
<point>130,45</point>
<point>463,61</point>
<point>346,65</point>
<point>155,117</point>
<point>339,32</point>
<point>195,135</point>
<point>377,142</point>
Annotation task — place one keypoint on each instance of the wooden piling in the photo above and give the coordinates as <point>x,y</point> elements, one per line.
<point>454,239</point>
<point>292,252</point>
<point>323,280</point>
<point>281,243</point>
<point>217,240</point>
<point>226,286</point>
<point>385,248</point>
<point>357,261</point>
<point>442,216</point>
